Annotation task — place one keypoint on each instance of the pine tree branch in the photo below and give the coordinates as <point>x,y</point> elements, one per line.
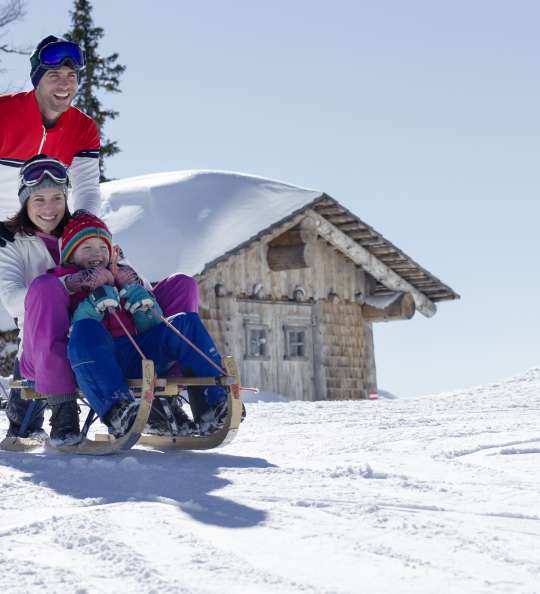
<point>11,12</point>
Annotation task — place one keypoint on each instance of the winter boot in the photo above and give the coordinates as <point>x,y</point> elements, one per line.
<point>214,416</point>
<point>121,417</point>
<point>64,423</point>
<point>14,430</point>
<point>197,402</point>
<point>157,420</point>
<point>159,424</point>
<point>184,423</point>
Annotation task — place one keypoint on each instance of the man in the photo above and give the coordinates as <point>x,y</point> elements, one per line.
<point>44,121</point>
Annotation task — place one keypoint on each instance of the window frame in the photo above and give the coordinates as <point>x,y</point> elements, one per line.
<point>288,329</point>
<point>250,327</point>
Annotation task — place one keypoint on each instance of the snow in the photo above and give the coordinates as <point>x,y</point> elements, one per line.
<point>429,494</point>
<point>180,221</point>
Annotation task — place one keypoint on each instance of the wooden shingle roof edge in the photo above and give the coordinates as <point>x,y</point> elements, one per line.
<point>384,250</point>
<point>367,238</point>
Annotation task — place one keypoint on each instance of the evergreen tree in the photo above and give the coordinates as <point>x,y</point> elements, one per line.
<point>100,73</point>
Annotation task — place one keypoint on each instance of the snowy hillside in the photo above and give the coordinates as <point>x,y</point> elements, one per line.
<point>422,495</point>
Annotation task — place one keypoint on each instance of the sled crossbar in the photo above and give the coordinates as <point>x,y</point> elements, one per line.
<point>167,386</point>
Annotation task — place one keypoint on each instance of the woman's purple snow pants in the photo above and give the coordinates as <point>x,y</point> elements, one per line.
<point>46,325</point>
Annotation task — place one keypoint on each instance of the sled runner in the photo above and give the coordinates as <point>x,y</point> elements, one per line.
<point>145,389</point>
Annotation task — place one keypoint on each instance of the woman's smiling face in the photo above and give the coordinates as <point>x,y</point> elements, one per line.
<point>46,208</point>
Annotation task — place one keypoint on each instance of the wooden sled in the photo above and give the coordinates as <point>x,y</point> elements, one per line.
<point>222,436</point>
<point>147,388</point>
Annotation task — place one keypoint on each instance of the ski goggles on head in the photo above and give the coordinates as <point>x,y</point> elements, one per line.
<point>57,53</point>
<point>33,173</point>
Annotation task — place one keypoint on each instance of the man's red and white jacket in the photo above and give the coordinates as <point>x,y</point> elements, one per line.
<point>74,140</point>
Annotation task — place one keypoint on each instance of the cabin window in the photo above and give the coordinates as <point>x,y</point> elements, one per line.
<point>295,343</point>
<point>256,341</point>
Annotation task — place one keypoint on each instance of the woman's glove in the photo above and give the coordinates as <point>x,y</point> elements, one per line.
<point>125,275</point>
<point>95,306</point>
<point>5,235</point>
<point>88,279</point>
<point>143,307</point>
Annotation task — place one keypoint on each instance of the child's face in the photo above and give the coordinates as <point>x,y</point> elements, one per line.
<point>92,253</point>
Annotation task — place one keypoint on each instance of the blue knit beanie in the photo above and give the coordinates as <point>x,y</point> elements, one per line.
<point>36,69</point>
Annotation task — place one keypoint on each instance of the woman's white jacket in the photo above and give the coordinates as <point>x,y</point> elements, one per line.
<point>20,263</point>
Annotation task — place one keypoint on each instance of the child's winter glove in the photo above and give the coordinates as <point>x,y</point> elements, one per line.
<point>137,297</point>
<point>143,307</point>
<point>95,306</point>
<point>125,275</point>
<point>89,279</point>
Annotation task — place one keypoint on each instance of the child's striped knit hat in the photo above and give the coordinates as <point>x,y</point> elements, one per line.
<point>83,225</point>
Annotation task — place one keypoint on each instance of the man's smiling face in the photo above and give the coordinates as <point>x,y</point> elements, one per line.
<point>56,91</point>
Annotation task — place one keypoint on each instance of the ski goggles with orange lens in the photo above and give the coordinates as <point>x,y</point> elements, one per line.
<point>33,173</point>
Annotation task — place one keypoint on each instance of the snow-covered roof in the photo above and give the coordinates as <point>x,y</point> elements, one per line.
<point>180,221</point>
<point>184,221</point>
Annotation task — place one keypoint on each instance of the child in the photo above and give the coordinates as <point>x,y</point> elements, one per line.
<point>100,353</point>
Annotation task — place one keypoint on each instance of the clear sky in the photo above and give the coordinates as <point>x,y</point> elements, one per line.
<point>421,117</point>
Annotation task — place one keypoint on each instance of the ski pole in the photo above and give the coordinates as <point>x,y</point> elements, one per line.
<point>193,346</point>
<point>122,325</point>
<point>111,310</point>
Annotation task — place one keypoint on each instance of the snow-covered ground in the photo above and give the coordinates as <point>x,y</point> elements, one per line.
<point>431,494</point>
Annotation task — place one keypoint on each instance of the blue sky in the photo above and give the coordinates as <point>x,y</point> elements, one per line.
<point>420,117</point>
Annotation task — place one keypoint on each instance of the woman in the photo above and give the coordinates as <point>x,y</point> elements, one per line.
<point>42,357</point>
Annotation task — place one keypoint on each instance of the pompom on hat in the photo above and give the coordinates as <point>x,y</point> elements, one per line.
<point>83,225</point>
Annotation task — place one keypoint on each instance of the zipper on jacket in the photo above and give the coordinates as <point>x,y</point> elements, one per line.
<point>43,138</point>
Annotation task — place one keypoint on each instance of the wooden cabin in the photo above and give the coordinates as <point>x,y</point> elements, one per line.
<point>296,304</point>
<point>290,281</point>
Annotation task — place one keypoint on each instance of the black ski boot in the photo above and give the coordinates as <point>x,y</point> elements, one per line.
<point>184,423</point>
<point>14,430</point>
<point>159,424</point>
<point>121,417</point>
<point>64,423</point>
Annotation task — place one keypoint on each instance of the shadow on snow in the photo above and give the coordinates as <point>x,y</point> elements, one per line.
<point>183,480</point>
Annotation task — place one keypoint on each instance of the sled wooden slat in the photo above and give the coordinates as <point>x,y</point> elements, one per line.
<point>21,444</point>
<point>171,386</point>
<point>26,393</point>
